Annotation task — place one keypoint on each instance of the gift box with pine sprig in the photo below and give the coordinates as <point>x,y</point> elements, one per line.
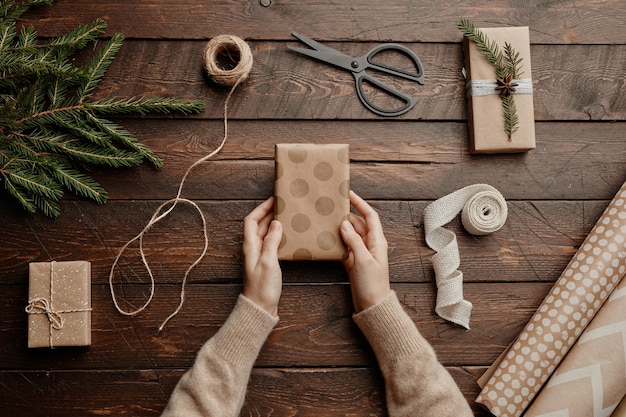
<point>499,88</point>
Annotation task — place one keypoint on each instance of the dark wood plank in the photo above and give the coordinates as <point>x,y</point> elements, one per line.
<point>407,161</point>
<point>568,84</point>
<point>271,391</point>
<point>553,23</point>
<point>537,242</point>
<point>180,141</point>
<point>316,362</point>
<point>318,332</point>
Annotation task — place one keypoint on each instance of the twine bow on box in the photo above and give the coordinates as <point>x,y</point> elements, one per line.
<point>45,306</point>
<point>41,305</point>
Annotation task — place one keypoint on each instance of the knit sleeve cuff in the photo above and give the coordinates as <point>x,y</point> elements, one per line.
<point>242,336</point>
<point>391,332</point>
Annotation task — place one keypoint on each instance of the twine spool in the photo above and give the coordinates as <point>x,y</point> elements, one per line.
<point>227,60</point>
<point>221,49</point>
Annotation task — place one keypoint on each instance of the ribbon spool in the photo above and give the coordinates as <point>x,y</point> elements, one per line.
<point>227,60</point>
<point>483,210</point>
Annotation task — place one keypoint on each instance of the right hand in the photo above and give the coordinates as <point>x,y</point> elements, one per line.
<point>367,264</point>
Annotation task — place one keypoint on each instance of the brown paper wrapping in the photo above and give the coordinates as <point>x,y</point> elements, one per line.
<point>485,115</point>
<point>312,199</point>
<point>59,310</point>
<point>587,281</point>
<point>591,380</point>
<point>620,411</point>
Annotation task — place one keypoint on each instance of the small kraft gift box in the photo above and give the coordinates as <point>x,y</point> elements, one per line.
<point>484,104</point>
<point>59,304</point>
<point>312,185</point>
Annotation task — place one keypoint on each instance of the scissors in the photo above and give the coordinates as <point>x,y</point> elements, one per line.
<point>358,66</point>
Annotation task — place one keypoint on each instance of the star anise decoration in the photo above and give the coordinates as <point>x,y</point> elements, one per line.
<point>506,86</point>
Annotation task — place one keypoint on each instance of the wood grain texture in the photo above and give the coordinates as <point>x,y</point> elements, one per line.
<point>559,22</point>
<point>286,85</point>
<point>326,392</point>
<point>316,362</point>
<point>536,243</point>
<point>317,333</point>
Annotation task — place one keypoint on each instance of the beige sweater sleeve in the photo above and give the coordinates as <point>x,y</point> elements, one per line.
<point>415,382</point>
<point>216,384</point>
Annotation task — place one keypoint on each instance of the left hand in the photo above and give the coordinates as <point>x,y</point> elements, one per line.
<point>262,281</point>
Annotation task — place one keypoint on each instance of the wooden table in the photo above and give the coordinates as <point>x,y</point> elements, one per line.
<point>315,363</point>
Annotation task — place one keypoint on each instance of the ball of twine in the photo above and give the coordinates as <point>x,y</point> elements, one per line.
<point>221,53</point>
<point>228,61</point>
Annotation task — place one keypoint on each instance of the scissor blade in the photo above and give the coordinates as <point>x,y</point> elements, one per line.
<point>310,42</point>
<point>333,57</point>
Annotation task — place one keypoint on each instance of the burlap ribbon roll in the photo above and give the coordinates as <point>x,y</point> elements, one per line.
<point>484,211</point>
<point>585,284</point>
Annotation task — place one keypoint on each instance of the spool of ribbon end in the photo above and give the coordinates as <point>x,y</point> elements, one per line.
<point>483,211</point>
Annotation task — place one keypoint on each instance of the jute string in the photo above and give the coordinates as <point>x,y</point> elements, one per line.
<point>484,211</point>
<point>220,47</point>
<point>41,305</point>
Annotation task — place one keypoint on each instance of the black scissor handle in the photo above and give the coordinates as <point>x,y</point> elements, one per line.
<point>408,101</point>
<point>417,76</point>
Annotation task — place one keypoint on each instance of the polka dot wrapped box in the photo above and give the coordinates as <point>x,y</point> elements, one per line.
<point>59,304</point>
<point>312,184</point>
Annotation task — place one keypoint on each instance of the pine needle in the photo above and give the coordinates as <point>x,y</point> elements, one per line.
<point>507,66</point>
<point>51,131</point>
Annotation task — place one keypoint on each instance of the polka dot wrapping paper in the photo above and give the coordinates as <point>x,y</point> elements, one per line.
<point>588,280</point>
<point>591,380</point>
<point>59,304</point>
<point>312,184</point>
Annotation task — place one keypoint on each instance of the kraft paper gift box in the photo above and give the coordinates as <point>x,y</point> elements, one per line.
<point>59,304</point>
<point>485,113</point>
<point>312,184</point>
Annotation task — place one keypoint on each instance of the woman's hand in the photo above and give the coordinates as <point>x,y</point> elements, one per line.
<point>367,264</point>
<point>262,281</point>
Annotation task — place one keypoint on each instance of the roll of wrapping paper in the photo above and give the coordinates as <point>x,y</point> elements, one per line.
<point>620,411</point>
<point>591,380</point>
<point>587,281</point>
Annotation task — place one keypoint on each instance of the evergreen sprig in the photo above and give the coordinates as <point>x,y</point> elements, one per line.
<point>51,130</point>
<point>507,65</point>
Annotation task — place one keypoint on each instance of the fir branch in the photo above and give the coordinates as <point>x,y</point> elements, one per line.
<point>20,195</point>
<point>8,33</point>
<point>32,182</point>
<point>10,12</point>
<point>73,148</point>
<point>507,67</point>
<point>119,135</point>
<point>49,207</point>
<point>511,119</point>
<point>80,183</point>
<point>512,61</point>
<point>139,105</point>
<point>51,132</point>
<point>95,71</point>
<point>78,38</point>
<point>487,48</point>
